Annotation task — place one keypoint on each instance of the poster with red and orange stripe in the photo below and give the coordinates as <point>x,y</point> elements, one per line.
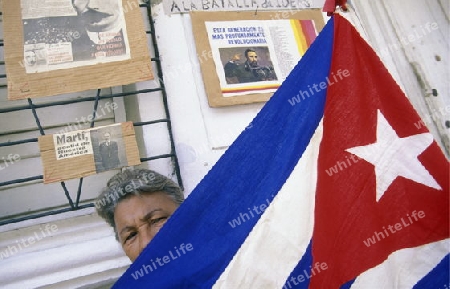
<point>256,56</point>
<point>251,54</point>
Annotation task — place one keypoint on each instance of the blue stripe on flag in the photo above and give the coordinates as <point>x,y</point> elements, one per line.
<point>438,277</point>
<point>250,173</point>
<point>299,277</point>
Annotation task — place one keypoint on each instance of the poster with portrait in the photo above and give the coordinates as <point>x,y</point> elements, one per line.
<point>249,55</point>
<point>76,154</point>
<point>68,34</point>
<point>62,46</point>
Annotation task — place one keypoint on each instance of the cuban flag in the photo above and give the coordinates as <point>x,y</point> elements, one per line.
<point>333,185</point>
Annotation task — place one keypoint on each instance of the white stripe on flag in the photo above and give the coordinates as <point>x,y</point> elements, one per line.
<point>404,268</point>
<point>280,238</point>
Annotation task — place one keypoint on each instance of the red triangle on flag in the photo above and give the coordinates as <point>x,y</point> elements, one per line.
<point>382,181</point>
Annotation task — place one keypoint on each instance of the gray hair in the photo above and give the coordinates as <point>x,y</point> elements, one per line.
<point>130,183</point>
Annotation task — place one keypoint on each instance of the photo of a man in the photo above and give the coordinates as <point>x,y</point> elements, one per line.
<point>34,57</point>
<point>251,70</point>
<point>109,152</point>
<point>231,68</point>
<point>103,34</point>
<point>109,148</point>
<point>30,58</point>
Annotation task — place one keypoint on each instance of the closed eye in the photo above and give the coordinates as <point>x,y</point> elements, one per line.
<point>130,237</point>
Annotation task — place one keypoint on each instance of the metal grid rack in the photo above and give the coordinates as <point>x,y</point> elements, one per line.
<point>74,204</point>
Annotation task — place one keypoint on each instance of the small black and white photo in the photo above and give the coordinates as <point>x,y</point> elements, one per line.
<point>109,148</point>
<point>35,56</point>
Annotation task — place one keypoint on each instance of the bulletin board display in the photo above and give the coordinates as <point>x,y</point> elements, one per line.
<point>56,47</point>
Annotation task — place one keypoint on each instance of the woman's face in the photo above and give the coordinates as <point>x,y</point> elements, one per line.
<point>138,219</point>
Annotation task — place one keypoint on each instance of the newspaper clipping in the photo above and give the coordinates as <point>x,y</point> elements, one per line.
<point>61,34</point>
<point>72,144</point>
<point>256,56</point>
<point>104,143</point>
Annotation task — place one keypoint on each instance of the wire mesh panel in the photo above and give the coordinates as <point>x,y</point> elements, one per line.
<point>23,195</point>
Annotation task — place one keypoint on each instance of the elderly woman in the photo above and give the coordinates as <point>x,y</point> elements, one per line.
<point>137,203</point>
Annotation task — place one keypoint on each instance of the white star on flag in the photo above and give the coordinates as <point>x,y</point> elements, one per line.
<point>393,156</point>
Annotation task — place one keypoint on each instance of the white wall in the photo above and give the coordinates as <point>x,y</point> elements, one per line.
<point>411,38</point>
